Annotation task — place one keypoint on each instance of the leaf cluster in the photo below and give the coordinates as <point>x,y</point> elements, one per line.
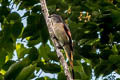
<point>95,29</point>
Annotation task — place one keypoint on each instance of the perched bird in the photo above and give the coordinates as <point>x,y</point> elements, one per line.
<point>63,35</point>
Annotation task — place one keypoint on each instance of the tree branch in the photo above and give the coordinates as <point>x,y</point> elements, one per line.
<point>59,53</point>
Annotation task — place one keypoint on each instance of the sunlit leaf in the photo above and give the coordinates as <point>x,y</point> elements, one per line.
<point>21,50</point>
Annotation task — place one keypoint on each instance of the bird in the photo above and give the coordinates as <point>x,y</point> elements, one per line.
<point>63,35</point>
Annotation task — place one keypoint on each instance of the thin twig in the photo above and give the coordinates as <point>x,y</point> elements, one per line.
<point>59,53</point>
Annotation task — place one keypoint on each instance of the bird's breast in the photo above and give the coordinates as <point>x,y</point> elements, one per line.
<point>60,33</point>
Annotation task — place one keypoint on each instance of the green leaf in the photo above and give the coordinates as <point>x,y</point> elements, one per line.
<point>44,50</point>
<point>45,78</point>
<point>61,76</point>
<point>7,65</point>
<point>35,39</point>
<point>26,72</point>
<point>105,54</point>
<point>115,16</point>
<point>53,56</point>
<point>44,34</point>
<point>33,25</point>
<point>51,68</point>
<point>5,11</point>
<point>87,69</point>
<point>1,77</point>
<point>118,79</point>
<point>33,54</point>
<point>15,68</point>
<point>7,43</point>
<point>114,59</point>
<point>79,71</point>
<point>3,54</point>
<point>104,68</point>
<point>13,71</point>
<point>14,16</point>
<point>114,49</point>
<point>21,50</point>
<point>17,29</point>
<point>31,76</point>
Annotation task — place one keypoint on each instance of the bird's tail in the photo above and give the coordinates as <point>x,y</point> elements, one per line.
<point>71,64</point>
<point>69,55</point>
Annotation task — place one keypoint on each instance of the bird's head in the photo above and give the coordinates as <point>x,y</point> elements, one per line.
<point>56,18</point>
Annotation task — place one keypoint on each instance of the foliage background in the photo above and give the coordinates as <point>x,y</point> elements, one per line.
<point>95,37</point>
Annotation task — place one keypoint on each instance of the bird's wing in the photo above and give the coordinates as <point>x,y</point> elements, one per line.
<point>67,30</point>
